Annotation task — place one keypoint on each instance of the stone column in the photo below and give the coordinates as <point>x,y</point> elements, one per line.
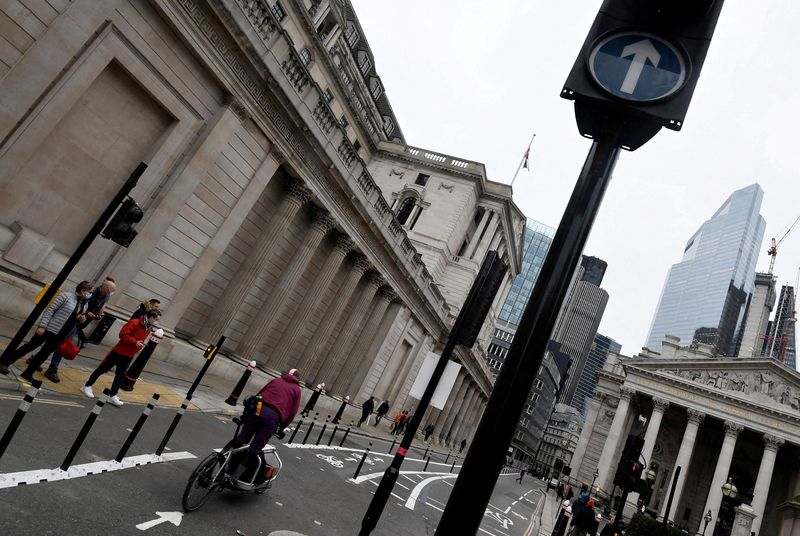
<point>732,431</point>
<point>483,246</point>
<point>337,360</point>
<point>235,293</point>
<point>764,479</point>
<point>586,433</point>
<point>394,363</point>
<point>440,420</point>
<point>330,318</point>
<point>259,329</point>
<point>406,369</point>
<point>694,418</point>
<point>311,302</point>
<point>455,409</point>
<point>459,428</point>
<point>473,243</point>
<point>614,441</point>
<point>653,425</point>
<point>358,362</point>
<point>475,419</point>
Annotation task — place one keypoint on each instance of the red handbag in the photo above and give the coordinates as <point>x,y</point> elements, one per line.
<point>68,349</point>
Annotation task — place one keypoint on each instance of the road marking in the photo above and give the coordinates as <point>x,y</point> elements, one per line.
<point>372,476</point>
<point>402,486</point>
<point>50,401</point>
<point>173,517</point>
<point>317,522</point>
<point>37,476</point>
<point>279,504</point>
<point>412,498</point>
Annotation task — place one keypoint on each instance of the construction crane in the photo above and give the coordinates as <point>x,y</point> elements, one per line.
<point>773,249</point>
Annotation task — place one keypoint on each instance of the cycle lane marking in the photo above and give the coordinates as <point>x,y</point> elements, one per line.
<point>39,476</point>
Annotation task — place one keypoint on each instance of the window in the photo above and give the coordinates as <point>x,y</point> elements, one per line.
<point>364,63</point>
<point>343,121</point>
<point>328,96</point>
<point>278,11</point>
<point>524,422</point>
<point>529,409</point>
<point>539,384</point>
<point>305,56</point>
<point>518,435</point>
<point>422,180</point>
<point>356,145</point>
<point>406,206</point>
<point>351,34</point>
<point>535,397</point>
<point>388,125</point>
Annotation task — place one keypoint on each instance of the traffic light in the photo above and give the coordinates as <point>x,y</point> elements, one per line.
<point>480,297</point>
<point>640,64</point>
<point>629,470</point>
<point>120,228</point>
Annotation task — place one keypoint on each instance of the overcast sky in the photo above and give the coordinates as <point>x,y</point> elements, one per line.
<point>476,79</point>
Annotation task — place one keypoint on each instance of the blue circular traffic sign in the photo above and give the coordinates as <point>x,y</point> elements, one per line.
<point>637,66</point>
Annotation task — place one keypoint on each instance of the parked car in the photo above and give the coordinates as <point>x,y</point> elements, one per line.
<point>552,484</point>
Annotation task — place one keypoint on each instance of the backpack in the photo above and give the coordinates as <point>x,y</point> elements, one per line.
<point>252,406</point>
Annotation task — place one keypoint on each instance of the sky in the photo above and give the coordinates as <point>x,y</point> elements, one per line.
<point>477,79</point>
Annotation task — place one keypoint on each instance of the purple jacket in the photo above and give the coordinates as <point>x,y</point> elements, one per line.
<point>284,395</point>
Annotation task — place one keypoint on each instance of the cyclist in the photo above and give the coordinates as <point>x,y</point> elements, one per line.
<point>277,407</point>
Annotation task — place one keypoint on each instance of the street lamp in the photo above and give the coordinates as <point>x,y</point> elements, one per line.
<point>707,519</point>
<point>594,477</point>
<point>729,489</point>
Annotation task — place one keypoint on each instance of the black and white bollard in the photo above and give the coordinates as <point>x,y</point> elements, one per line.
<point>173,425</point>
<point>448,456</point>
<point>310,427</point>
<point>454,464</point>
<point>427,448</point>
<point>321,432</point>
<point>237,391</point>
<point>333,434</point>
<point>361,463</point>
<point>294,432</point>
<point>137,427</point>
<point>136,368</point>
<point>426,464</point>
<point>33,390</point>
<point>76,445</point>
<point>345,434</point>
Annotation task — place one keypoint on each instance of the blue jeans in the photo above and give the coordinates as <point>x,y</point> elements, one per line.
<point>55,359</point>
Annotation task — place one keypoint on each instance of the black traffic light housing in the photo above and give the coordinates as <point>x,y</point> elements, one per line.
<point>629,470</point>
<point>663,30</point>
<point>120,228</point>
<point>481,296</point>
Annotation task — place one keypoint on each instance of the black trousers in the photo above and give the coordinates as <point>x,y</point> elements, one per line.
<point>48,342</point>
<point>113,359</point>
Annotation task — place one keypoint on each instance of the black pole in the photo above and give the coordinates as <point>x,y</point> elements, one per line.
<point>426,464</point>
<point>44,301</point>
<point>382,494</point>
<point>361,463</point>
<point>241,384</point>
<point>345,434</point>
<point>669,501</point>
<point>209,354</point>
<point>393,443</point>
<point>173,425</point>
<point>427,448</point>
<point>24,405</point>
<point>620,509</point>
<point>448,456</point>
<point>333,434</point>
<point>294,432</point>
<point>321,432</point>
<point>137,427</point>
<point>310,427</point>
<point>454,464</point>
<point>136,368</point>
<point>76,445</point>
<point>479,472</point>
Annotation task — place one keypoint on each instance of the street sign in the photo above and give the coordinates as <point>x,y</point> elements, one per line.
<point>637,66</point>
<point>445,385</point>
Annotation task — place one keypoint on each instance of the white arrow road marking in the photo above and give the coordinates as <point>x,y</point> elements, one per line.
<point>412,499</point>
<point>641,51</point>
<point>372,476</point>
<point>173,517</point>
<point>37,476</point>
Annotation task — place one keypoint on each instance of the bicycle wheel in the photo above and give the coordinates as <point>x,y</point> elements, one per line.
<point>201,483</point>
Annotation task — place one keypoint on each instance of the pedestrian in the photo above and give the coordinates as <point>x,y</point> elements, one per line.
<point>383,409</point>
<point>309,407</point>
<point>559,491</point>
<point>366,410</point>
<point>521,474</point>
<point>131,339</point>
<point>145,306</point>
<point>340,411</point>
<point>569,493</point>
<point>402,424</point>
<point>582,516</point>
<point>462,446</point>
<point>396,421</point>
<point>55,325</point>
<point>428,431</point>
<point>562,519</point>
<point>95,307</point>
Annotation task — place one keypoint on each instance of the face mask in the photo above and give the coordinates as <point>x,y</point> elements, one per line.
<point>87,296</point>
<point>146,321</point>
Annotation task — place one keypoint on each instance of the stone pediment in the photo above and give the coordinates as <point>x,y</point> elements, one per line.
<point>760,381</point>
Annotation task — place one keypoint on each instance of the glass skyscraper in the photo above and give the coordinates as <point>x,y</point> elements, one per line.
<point>705,294</point>
<point>598,354</point>
<point>538,238</point>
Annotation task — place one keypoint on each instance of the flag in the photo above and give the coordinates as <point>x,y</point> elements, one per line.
<point>525,159</point>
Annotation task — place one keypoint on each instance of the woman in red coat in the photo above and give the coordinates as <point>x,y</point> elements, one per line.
<point>131,339</point>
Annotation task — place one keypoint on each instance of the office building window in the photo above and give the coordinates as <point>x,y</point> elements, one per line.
<point>305,56</point>
<point>278,11</point>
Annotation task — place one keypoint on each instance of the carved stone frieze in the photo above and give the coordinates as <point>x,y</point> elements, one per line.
<point>756,385</point>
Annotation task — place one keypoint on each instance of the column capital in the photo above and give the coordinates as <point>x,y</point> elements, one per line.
<point>375,279</point>
<point>360,262</point>
<point>626,393</point>
<point>343,243</point>
<point>387,293</point>
<point>733,429</point>
<point>772,442</point>
<point>322,220</point>
<point>660,404</point>
<point>597,395</point>
<point>695,416</point>
<point>298,192</point>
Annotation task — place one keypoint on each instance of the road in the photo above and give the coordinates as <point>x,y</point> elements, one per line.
<point>313,495</point>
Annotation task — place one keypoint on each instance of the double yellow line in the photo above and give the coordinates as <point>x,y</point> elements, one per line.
<point>66,403</point>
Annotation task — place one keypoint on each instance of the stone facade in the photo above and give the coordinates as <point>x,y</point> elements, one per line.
<point>273,194</point>
<point>716,418</point>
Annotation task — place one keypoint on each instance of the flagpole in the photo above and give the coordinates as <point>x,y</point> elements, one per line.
<point>519,167</point>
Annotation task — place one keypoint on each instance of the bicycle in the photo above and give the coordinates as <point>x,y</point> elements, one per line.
<point>212,474</point>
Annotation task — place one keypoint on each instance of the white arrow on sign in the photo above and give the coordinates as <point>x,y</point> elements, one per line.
<point>641,51</point>
<point>173,517</point>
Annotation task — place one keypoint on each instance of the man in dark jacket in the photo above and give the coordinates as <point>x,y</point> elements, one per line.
<point>366,410</point>
<point>383,409</point>
<point>582,516</point>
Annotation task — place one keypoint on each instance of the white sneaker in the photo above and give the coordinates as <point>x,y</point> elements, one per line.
<point>87,390</point>
<point>115,401</point>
